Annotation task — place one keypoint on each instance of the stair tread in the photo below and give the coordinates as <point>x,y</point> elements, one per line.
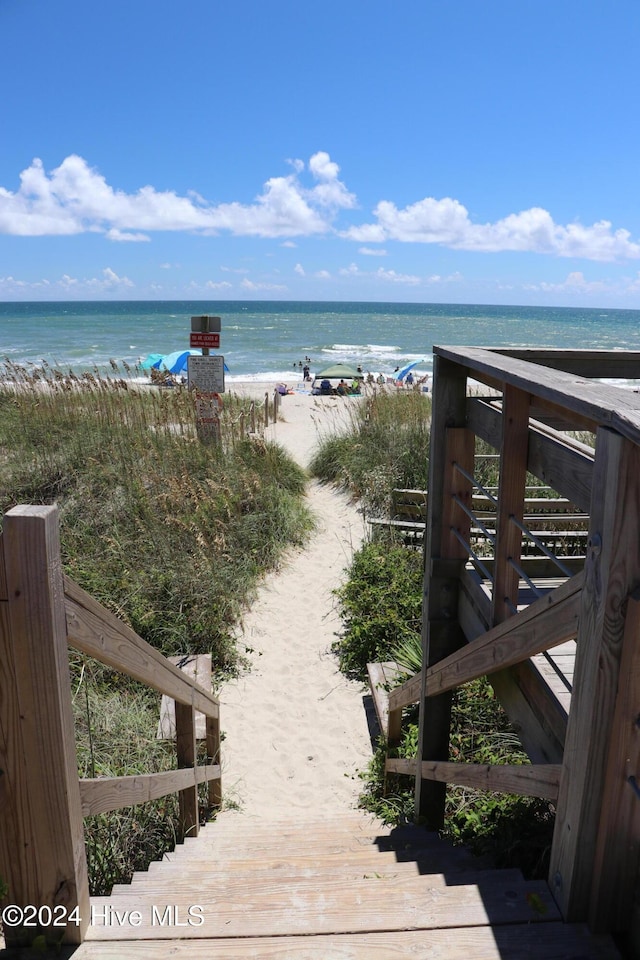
<point>553,941</point>
<point>310,879</point>
<point>280,908</point>
<point>443,861</point>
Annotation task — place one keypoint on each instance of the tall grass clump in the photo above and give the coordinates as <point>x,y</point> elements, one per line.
<point>170,533</point>
<point>386,445</point>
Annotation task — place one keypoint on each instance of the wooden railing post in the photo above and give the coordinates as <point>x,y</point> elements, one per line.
<point>595,777</point>
<point>213,756</point>
<point>441,631</point>
<point>513,474</point>
<point>186,757</point>
<point>42,852</point>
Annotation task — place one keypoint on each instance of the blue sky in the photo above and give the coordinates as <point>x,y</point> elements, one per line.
<point>414,150</point>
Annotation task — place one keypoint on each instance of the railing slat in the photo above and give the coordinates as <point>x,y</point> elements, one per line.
<point>528,780</point>
<point>103,794</point>
<point>545,623</point>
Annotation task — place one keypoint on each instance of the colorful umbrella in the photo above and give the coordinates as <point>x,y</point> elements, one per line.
<point>401,374</point>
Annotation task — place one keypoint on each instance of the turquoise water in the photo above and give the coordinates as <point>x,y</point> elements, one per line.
<point>267,340</point>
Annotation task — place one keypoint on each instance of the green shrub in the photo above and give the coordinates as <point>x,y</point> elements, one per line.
<point>379,604</point>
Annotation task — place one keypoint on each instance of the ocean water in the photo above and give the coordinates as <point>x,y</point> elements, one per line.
<point>268,340</point>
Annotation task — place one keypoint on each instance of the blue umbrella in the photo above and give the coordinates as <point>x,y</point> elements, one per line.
<point>151,361</point>
<point>175,362</point>
<point>401,374</point>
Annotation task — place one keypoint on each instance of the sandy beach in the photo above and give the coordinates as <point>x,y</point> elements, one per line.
<point>295,730</point>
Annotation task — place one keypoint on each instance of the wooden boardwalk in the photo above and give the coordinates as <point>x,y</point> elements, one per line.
<point>350,888</point>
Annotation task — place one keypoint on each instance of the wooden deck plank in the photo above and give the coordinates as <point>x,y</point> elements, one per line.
<point>553,941</point>
<point>285,909</point>
<point>307,880</point>
<point>448,861</point>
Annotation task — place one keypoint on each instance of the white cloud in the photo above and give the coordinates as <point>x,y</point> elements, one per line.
<point>322,275</point>
<point>252,285</point>
<point>330,192</point>
<point>575,282</point>
<point>447,222</point>
<point>221,285</point>
<point>393,277</point>
<point>107,282</point>
<point>74,198</point>
<point>118,235</point>
<point>299,269</point>
<point>388,276</point>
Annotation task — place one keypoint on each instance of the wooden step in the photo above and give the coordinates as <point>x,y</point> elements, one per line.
<point>258,909</point>
<point>551,941</point>
<point>351,889</point>
<point>450,860</point>
<point>309,879</point>
<point>329,840</point>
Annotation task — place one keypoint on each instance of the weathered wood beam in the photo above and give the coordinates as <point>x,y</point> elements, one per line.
<point>441,632</point>
<point>576,396</point>
<point>618,845</point>
<point>42,855</point>
<point>527,780</point>
<point>556,459</point>
<point>597,364</point>
<point>103,794</point>
<point>544,624</point>
<point>513,472</point>
<point>96,631</point>
<point>186,756</point>
<point>612,573</point>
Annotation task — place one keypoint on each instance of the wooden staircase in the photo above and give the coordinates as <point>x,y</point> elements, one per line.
<point>317,890</point>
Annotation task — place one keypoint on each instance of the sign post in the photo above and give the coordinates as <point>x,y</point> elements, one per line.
<point>205,376</point>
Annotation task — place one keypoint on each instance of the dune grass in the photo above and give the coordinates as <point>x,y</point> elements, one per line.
<point>171,534</point>
<point>386,446</point>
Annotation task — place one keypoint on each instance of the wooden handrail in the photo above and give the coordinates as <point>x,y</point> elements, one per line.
<point>94,630</point>
<point>474,624</point>
<point>42,613</point>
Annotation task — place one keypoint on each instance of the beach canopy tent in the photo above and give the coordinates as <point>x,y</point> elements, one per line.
<point>339,371</point>
<point>401,374</point>
<point>175,362</point>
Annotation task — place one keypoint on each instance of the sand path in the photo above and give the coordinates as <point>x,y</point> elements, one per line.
<point>296,731</point>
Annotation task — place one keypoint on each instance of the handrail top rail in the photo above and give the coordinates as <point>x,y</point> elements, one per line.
<point>96,631</point>
<point>604,404</point>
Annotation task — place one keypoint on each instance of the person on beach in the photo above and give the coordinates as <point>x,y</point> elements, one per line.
<point>306,373</point>
<point>342,389</point>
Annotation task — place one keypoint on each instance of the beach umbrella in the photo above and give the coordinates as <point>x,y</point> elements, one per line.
<point>151,361</point>
<point>338,371</point>
<point>175,362</point>
<point>401,374</point>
